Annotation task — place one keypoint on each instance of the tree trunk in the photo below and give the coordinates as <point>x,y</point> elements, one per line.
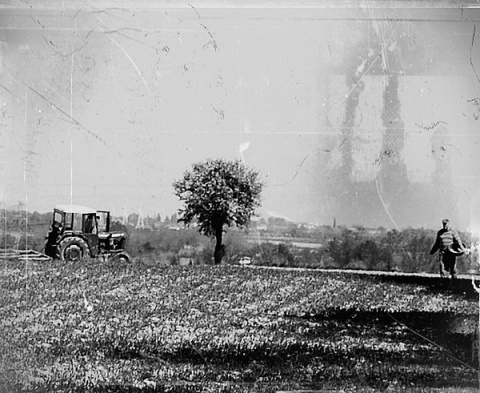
<point>219,248</point>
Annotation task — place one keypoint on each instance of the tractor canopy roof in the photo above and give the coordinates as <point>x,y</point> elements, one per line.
<point>75,209</point>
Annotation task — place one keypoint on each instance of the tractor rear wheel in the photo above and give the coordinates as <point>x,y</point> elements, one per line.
<point>72,249</point>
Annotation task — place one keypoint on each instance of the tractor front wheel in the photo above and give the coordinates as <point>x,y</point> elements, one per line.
<point>72,249</point>
<point>121,257</point>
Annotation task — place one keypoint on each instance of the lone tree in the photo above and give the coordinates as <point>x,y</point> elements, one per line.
<point>218,193</point>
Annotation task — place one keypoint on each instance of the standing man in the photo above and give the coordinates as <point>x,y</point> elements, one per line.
<point>446,239</point>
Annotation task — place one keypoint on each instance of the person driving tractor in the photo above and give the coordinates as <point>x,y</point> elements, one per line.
<point>90,224</point>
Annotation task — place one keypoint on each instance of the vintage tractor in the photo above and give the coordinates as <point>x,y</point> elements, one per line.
<point>81,232</point>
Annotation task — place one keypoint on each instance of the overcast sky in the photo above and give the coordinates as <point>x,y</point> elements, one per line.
<point>364,114</point>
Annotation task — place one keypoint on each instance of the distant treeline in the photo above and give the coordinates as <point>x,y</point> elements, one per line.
<point>405,250</point>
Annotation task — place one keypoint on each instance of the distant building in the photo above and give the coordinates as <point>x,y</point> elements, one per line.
<point>186,256</point>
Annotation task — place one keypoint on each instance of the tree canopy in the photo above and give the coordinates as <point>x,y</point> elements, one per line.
<point>218,193</point>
